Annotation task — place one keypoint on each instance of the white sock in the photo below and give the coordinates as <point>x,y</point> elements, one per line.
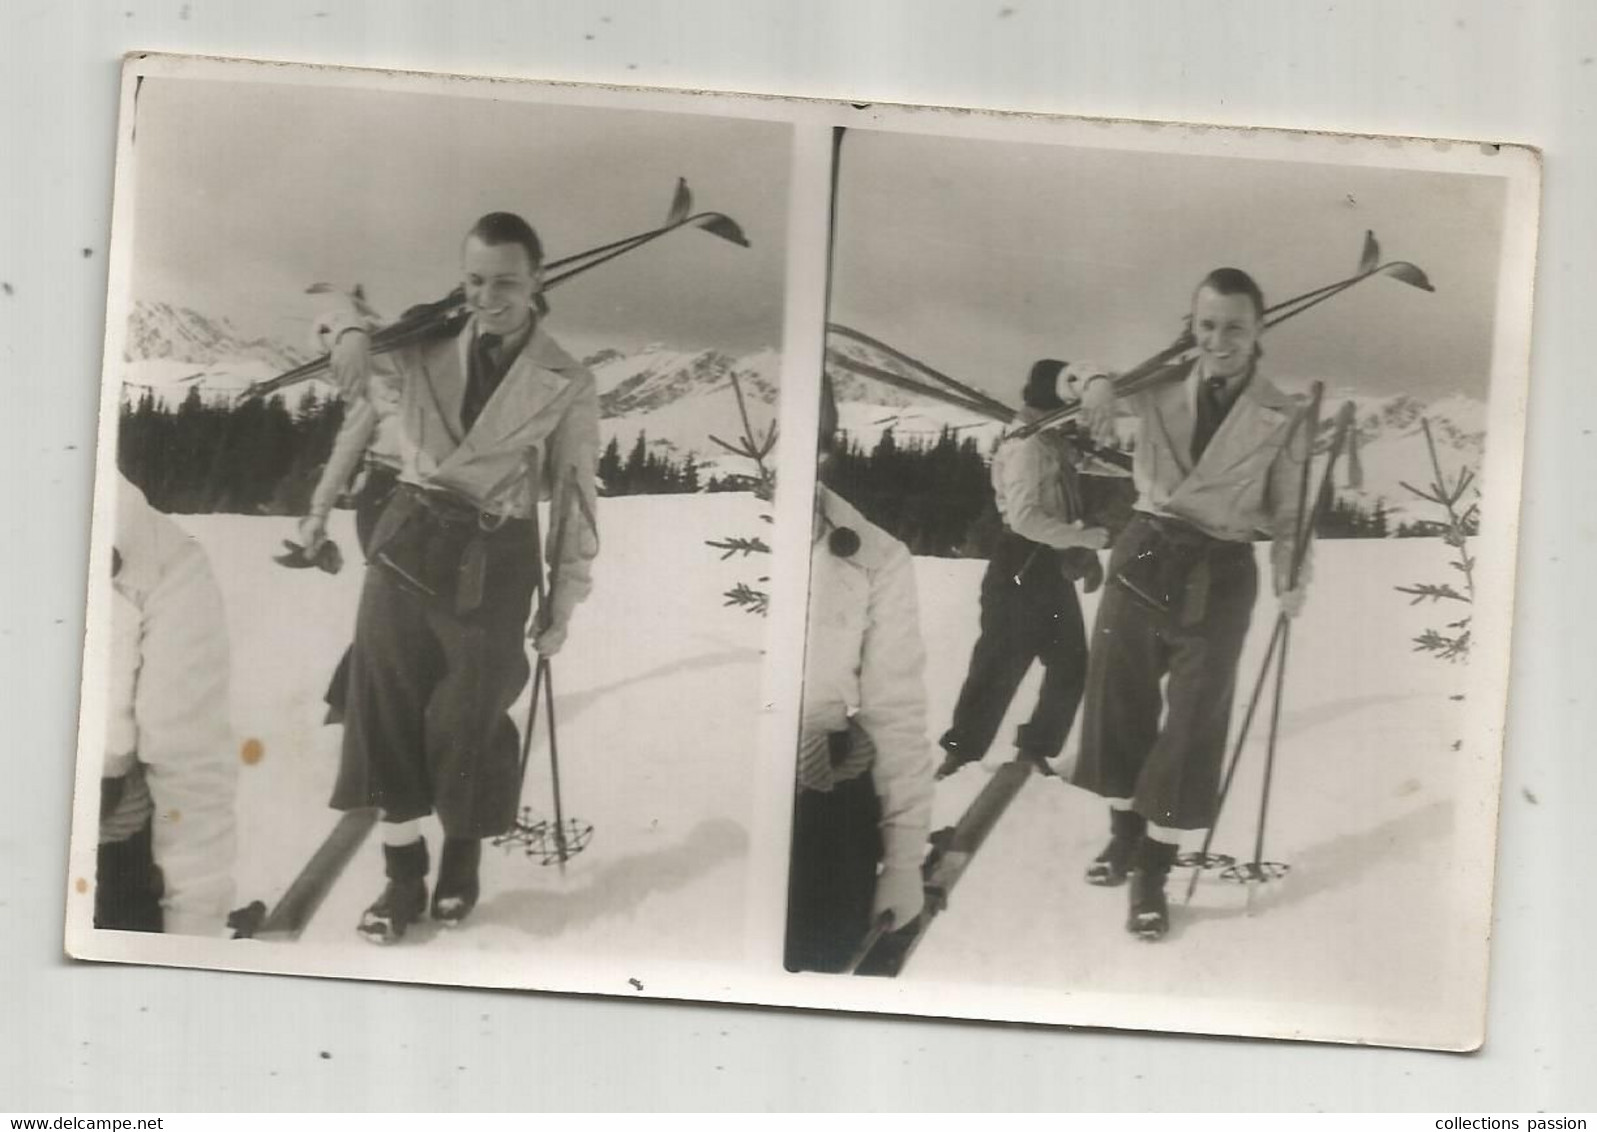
<point>397,833</point>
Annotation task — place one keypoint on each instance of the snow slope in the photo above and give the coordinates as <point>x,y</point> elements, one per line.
<point>656,695</point>
<point>1362,809</point>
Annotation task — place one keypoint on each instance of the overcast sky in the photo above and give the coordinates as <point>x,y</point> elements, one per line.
<point>979,257</point>
<point>247,193</point>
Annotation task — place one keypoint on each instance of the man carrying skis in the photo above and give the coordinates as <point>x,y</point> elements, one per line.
<point>1029,610</point>
<point>490,419</point>
<point>1219,459</point>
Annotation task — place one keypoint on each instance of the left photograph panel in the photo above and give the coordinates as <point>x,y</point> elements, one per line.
<point>432,507</point>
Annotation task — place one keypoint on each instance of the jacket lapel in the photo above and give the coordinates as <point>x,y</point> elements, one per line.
<point>1174,417</point>
<point>1260,411</point>
<point>532,382</point>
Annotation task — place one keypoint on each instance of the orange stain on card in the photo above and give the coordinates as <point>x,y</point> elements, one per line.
<point>252,752</point>
<point>81,885</point>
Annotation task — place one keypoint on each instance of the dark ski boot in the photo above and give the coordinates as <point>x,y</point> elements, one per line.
<point>953,756</point>
<point>1149,915</point>
<point>1037,761</point>
<point>455,894</point>
<point>404,900</point>
<point>1109,868</point>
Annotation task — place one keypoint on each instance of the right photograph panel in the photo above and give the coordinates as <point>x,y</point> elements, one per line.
<point>1145,584</point>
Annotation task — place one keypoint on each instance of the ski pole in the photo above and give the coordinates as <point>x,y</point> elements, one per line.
<point>1236,756</point>
<point>879,927</point>
<point>1305,531</point>
<point>1344,423</point>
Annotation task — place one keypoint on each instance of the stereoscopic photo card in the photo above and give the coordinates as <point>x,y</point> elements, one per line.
<point>892,559</point>
<point>432,527</point>
<point>1162,575</point>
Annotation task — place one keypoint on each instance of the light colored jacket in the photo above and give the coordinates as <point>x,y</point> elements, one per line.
<point>1034,486</point>
<point>538,433</point>
<point>1248,479</point>
<point>168,734</point>
<point>863,670</point>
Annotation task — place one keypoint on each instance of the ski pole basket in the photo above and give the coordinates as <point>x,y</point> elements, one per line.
<point>545,841</point>
<point>1205,861</point>
<point>1255,872</point>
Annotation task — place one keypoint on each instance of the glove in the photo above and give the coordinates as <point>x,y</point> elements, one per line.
<point>899,890</point>
<point>1292,601</point>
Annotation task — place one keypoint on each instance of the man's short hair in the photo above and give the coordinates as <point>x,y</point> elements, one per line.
<point>508,228</point>
<point>1233,281</point>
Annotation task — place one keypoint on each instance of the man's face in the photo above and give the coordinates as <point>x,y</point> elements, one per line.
<point>1227,330</point>
<point>500,283</point>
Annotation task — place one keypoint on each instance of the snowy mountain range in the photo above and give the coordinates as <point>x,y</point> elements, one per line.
<point>679,399</point>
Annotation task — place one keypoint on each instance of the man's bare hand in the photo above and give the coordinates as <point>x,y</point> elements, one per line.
<point>547,640</point>
<point>1093,538</point>
<point>312,530</point>
<point>1098,410</point>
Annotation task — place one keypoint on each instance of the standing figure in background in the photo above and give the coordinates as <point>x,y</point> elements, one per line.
<point>167,836</point>
<point>366,450</point>
<point>1029,609</point>
<point>492,416</point>
<point>863,808</point>
<point>1219,459</point>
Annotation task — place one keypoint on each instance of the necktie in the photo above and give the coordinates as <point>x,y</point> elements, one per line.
<point>1211,411</point>
<point>482,378</point>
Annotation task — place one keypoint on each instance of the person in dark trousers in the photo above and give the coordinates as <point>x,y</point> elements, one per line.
<point>491,418</point>
<point>1029,609</point>
<point>1219,461</point>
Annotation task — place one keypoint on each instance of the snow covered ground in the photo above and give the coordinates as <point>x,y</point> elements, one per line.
<point>656,739</point>
<point>1367,922</point>
<point>657,698</point>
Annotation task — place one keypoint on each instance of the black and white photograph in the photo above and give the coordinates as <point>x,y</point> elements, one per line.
<point>1159,590</point>
<point>1127,645</point>
<point>435,486</point>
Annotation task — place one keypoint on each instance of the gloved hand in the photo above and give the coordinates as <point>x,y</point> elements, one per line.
<point>1098,410</point>
<point>1292,601</point>
<point>350,362</point>
<point>901,891</point>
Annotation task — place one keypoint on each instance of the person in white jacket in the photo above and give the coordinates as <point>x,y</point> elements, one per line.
<point>863,808</point>
<point>167,838</point>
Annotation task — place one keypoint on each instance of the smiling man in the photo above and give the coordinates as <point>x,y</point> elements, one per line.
<point>492,416</point>
<point>1219,461</point>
